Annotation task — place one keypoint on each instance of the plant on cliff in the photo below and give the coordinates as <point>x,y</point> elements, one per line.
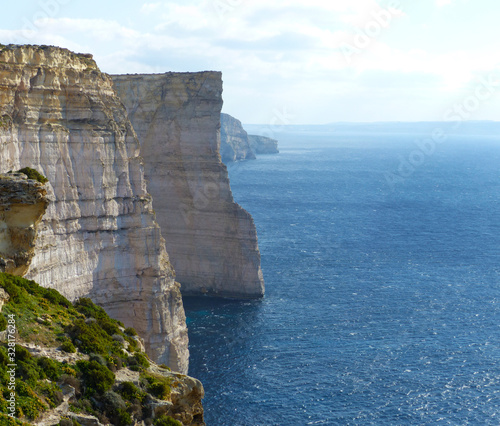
<point>166,421</point>
<point>33,174</point>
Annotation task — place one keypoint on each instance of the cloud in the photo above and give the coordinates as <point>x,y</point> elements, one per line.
<point>286,52</point>
<point>441,3</point>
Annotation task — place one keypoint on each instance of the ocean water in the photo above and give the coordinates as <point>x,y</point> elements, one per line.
<point>381,257</point>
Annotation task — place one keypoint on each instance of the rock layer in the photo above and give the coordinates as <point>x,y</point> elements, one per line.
<point>235,145</point>
<point>99,238</point>
<point>211,240</point>
<point>22,204</point>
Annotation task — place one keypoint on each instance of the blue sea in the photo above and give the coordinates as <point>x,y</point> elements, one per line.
<point>381,255</point>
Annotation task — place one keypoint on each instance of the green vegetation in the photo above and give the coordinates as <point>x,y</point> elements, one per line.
<point>45,317</point>
<point>33,174</point>
<point>157,385</point>
<point>166,421</point>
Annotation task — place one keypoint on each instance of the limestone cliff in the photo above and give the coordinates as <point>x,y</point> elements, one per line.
<point>99,238</point>
<point>22,204</point>
<point>234,145</point>
<point>263,145</point>
<point>211,240</point>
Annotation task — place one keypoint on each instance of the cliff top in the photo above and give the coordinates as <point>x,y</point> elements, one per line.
<point>51,56</point>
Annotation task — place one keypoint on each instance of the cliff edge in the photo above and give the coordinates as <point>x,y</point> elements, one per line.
<point>211,240</point>
<point>99,238</point>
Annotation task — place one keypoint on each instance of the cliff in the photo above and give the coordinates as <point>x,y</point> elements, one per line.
<point>234,145</point>
<point>99,238</point>
<point>211,240</point>
<point>263,145</point>
<point>23,202</point>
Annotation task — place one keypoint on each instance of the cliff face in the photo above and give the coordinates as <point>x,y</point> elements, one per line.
<point>99,238</point>
<point>235,145</point>
<point>22,205</point>
<point>263,145</point>
<point>211,240</point>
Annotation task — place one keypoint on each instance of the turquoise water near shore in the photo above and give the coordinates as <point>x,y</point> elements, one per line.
<point>382,296</point>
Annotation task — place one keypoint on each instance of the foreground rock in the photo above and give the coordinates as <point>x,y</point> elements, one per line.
<point>99,238</point>
<point>211,240</point>
<point>22,204</point>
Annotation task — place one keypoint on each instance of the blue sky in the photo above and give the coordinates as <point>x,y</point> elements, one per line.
<point>293,62</point>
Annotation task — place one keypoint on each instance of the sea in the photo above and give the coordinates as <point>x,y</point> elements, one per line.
<point>380,250</point>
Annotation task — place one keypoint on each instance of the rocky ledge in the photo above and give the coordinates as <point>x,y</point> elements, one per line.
<point>23,202</point>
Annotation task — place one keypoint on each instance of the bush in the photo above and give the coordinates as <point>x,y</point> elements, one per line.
<point>157,385</point>
<point>131,392</point>
<point>52,393</point>
<point>3,323</point>
<point>165,420</point>
<point>68,347</point>
<point>139,359</point>
<point>49,368</point>
<point>97,378</point>
<point>33,174</point>
<point>130,331</point>
<point>89,338</point>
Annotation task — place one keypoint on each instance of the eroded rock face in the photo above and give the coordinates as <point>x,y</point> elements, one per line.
<point>99,238</point>
<point>263,144</point>
<point>22,204</point>
<point>235,145</point>
<point>211,240</point>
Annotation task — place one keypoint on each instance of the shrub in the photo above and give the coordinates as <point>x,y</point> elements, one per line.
<point>131,392</point>
<point>89,338</point>
<point>68,347</point>
<point>52,393</point>
<point>3,323</point>
<point>130,331</point>
<point>99,358</point>
<point>157,385</point>
<point>139,359</point>
<point>33,174</point>
<point>165,420</point>
<point>49,368</point>
<point>97,378</point>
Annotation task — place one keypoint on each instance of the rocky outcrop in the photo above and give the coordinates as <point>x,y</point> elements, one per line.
<point>263,144</point>
<point>234,143</point>
<point>99,238</point>
<point>22,204</point>
<point>211,240</point>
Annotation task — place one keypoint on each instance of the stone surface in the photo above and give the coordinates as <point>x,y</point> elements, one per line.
<point>211,240</point>
<point>22,204</point>
<point>99,238</point>
<point>263,144</point>
<point>234,142</point>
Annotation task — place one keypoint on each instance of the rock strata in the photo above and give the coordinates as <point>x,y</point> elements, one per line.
<point>211,240</point>
<point>235,145</point>
<point>99,238</point>
<point>22,204</point>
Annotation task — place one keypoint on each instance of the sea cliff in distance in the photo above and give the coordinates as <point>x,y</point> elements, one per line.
<point>238,145</point>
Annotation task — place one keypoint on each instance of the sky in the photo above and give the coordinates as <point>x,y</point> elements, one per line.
<point>293,62</point>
